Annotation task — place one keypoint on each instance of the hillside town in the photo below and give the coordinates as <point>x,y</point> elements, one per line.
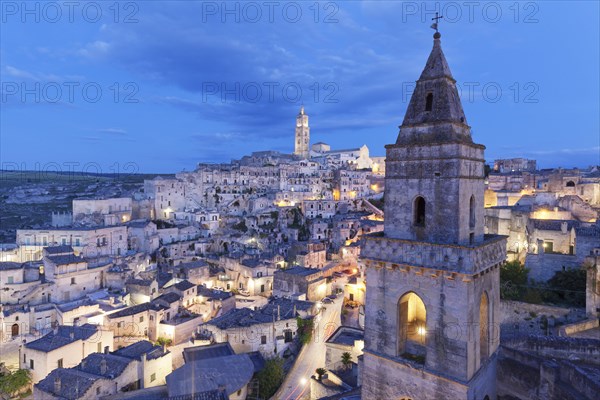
<point>320,274</point>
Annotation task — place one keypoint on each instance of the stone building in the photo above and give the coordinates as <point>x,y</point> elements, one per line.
<point>302,137</point>
<point>432,294</point>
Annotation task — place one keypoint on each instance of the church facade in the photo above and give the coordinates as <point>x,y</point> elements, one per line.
<point>432,298</point>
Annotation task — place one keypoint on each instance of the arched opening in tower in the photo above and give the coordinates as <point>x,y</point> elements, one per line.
<point>412,322</point>
<point>429,102</point>
<point>472,212</point>
<point>419,212</point>
<point>484,325</point>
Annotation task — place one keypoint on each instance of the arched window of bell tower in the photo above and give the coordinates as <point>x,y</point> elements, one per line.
<point>472,212</point>
<point>412,324</point>
<point>484,328</point>
<point>419,211</point>
<point>429,102</point>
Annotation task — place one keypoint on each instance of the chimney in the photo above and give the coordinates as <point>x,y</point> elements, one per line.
<point>105,349</point>
<point>72,334</point>
<point>563,226</point>
<point>57,385</point>
<point>103,367</point>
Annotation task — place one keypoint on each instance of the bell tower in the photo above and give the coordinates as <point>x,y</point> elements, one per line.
<point>302,137</point>
<point>432,299</point>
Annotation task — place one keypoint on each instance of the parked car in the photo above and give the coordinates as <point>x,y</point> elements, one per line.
<point>326,300</point>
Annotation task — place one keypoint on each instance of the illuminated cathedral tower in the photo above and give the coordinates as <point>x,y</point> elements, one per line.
<point>302,142</point>
<point>432,300</point>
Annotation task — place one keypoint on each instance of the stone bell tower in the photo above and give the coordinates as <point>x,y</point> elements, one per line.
<point>302,139</point>
<point>432,299</point>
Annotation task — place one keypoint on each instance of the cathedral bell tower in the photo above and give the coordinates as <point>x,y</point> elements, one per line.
<point>432,299</point>
<point>302,139</point>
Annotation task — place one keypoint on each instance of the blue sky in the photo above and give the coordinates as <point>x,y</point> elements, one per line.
<point>137,86</point>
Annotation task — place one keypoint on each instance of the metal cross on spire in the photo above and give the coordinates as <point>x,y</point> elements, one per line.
<point>436,18</point>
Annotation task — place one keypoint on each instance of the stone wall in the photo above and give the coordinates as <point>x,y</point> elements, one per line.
<point>543,266</point>
<point>528,375</point>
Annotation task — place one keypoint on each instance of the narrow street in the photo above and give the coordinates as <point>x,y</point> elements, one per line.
<point>296,384</point>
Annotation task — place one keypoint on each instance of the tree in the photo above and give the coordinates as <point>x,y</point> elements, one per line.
<point>346,359</point>
<point>567,287</point>
<point>13,382</point>
<point>320,372</point>
<point>305,328</point>
<point>164,341</point>
<point>513,278</point>
<point>270,377</point>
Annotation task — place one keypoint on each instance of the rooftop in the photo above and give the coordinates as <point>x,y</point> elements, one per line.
<point>276,308</point>
<point>346,335</point>
<point>301,271</point>
<point>114,365</point>
<point>62,336</point>
<point>135,350</point>
<point>73,383</point>
<point>59,249</point>
<point>65,259</point>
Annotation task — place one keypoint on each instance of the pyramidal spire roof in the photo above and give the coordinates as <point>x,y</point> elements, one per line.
<point>435,113</point>
<point>436,66</point>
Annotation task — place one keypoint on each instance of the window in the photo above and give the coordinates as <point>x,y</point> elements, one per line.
<point>153,377</point>
<point>77,242</point>
<point>72,281</point>
<point>11,279</point>
<point>419,212</point>
<point>142,318</point>
<point>570,184</point>
<point>24,357</point>
<point>60,363</point>
<point>64,241</point>
<point>31,364</point>
<point>99,347</point>
<point>429,102</point>
<point>263,339</point>
<point>98,391</point>
<point>152,318</point>
<point>472,212</point>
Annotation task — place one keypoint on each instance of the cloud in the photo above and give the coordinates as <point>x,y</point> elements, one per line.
<point>113,131</point>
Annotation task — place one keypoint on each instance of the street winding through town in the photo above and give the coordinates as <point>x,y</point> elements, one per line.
<point>297,382</point>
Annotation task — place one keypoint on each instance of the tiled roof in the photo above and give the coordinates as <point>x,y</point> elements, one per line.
<point>139,282</point>
<point>233,371</point>
<point>73,383</point>
<point>5,266</point>
<point>62,337</point>
<point>135,350</point>
<point>66,259</point>
<point>212,294</point>
<point>183,285</point>
<point>300,271</point>
<point>207,352</point>
<point>552,224</point>
<point>192,264</point>
<point>115,365</point>
<point>59,249</point>
<point>133,310</point>
<point>168,298</point>
<point>208,395</point>
<point>241,317</point>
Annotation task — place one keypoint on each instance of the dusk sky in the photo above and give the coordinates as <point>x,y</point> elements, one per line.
<point>106,84</point>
